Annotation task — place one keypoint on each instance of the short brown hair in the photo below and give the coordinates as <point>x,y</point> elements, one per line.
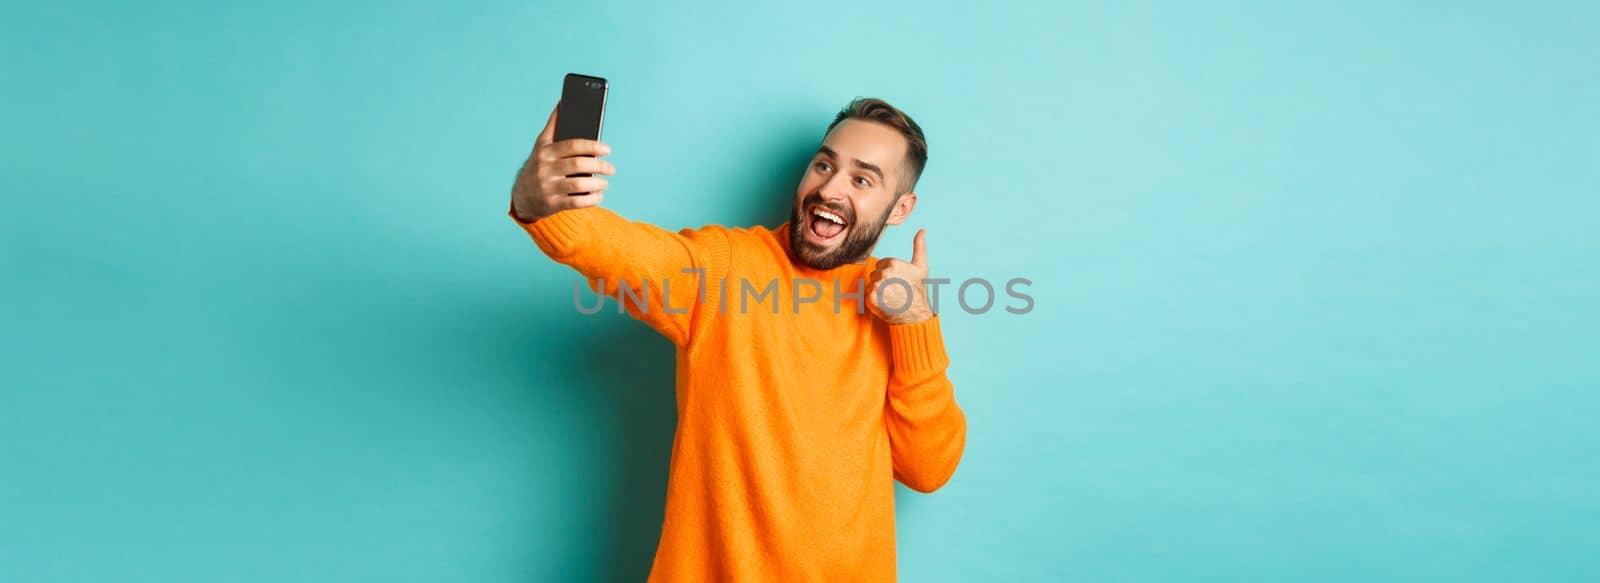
<point>878,110</point>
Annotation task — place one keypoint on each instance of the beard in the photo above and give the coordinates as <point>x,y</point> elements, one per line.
<point>858,238</point>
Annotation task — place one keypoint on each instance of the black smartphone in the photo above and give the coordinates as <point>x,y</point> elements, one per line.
<point>582,107</point>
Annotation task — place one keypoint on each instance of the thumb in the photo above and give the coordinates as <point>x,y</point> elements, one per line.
<point>919,249</point>
<point>549,133</point>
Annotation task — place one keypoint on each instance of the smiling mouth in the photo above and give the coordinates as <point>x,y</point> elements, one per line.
<point>825,224</point>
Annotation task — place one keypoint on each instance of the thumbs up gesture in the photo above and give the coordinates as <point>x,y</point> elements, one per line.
<point>894,289</point>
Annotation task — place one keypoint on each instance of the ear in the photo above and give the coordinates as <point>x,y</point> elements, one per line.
<point>902,208</point>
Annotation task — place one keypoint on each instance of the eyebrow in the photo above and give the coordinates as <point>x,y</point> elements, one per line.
<point>858,162</point>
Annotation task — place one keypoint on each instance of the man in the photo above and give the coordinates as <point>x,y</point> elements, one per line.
<point>792,422</point>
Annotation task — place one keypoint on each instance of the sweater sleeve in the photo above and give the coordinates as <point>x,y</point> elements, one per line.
<point>927,429</point>
<point>661,275</point>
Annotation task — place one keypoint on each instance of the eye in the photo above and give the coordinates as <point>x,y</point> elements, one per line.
<point>821,166</point>
<point>863,182</point>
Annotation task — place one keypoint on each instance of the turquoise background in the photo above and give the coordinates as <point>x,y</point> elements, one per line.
<point>1315,284</point>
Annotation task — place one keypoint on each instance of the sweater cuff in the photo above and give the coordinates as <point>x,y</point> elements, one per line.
<point>918,348</point>
<point>558,234</point>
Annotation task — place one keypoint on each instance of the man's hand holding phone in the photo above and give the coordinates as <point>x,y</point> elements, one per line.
<point>552,178</point>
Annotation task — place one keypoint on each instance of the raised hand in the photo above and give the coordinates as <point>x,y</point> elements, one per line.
<point>546,183</point>
<point>896,302</point>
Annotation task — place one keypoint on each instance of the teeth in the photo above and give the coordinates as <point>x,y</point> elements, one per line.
<point>827,215</point>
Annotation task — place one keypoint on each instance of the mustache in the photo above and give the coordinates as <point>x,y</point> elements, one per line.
<point>816,199</point>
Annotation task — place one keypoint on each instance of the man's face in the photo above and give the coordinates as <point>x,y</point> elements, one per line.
<point>848,195</point>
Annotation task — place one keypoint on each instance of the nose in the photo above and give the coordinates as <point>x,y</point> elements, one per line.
<point>836,190</point>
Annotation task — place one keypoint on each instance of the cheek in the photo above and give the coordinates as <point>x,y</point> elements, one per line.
<point>874,210</point>
<point>810,182</point>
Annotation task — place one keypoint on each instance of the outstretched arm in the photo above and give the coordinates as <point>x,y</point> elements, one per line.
<point>659,273</point>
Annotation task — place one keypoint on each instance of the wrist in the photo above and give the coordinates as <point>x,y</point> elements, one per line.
<point>914,315</point>
<point>523,216</point>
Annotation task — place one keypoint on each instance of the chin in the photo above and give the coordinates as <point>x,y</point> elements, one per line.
<point>821,258</point>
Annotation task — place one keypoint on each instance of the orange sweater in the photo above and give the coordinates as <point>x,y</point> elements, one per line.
<point>791,426</point>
